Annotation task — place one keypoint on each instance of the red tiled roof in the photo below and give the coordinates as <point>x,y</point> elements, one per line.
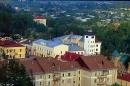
<point>38,17</point>
<point>9,43</point>
<point>97,62</point>
<point>37,65</point>
<point>125,77</point>
<point>47,65</point>
<point>68,56</point>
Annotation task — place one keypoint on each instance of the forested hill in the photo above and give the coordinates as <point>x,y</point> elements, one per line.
<point>112,37</point>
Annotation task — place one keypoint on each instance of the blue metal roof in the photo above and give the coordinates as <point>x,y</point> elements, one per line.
<point>71,36</point>
<point>49,43</point>
<point>74,47</point>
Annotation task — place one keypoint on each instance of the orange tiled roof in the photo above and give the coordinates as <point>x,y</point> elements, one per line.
<point>97,62</point>
<point>48,65</point>
<point>37,65</point>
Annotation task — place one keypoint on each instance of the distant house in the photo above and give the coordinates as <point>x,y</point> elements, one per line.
<point>40,19</point>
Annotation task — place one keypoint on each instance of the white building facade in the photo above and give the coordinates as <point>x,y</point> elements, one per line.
<point>40,19</point>
<point>91,47</point>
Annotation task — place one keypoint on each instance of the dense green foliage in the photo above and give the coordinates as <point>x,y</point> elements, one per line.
<point>14,74</point>
<point>115,84</point>
<point>22,23</point>
<point>114,38</point>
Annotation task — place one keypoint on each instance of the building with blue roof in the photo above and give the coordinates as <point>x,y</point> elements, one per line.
<point>47,48</point>
<point>84,45</point>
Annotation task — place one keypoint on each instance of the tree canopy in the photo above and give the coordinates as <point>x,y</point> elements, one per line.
<point>14,74</point>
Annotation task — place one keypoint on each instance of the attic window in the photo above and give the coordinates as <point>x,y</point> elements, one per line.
<point>102,62</point>
<point>53,64</point>
<point>86,36</point>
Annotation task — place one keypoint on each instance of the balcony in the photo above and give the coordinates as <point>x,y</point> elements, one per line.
<point>56,76</point>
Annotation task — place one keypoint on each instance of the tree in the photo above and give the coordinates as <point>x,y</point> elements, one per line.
<point>13,73</point>
<point>115,84</point>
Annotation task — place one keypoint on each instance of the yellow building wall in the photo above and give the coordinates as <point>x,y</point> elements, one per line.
<point>78,77</point>
<point>60,50</point>
<point>66,78</point>
<point>123,82</point>
<point>45,51</point>
<point>42,51</point>
<point>96,78</point>
<point>16,52</point>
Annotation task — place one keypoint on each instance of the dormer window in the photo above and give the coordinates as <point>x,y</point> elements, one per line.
<point>86,36</point>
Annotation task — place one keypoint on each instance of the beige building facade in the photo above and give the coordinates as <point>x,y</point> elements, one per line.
<point>42,49</point>
<point>81,72</point>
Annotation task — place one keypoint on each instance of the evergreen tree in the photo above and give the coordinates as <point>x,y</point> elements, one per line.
<point>14,74</point>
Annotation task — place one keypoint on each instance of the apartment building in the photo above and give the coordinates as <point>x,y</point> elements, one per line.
<point>12,49</point>
<point>84,71</point>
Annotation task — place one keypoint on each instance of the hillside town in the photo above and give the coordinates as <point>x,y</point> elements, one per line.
<point>61,50</point>
<point>70,60</point>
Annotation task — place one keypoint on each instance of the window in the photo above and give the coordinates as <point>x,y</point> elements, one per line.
<point>63,75</point>
<point>96,49</point>
<point>74,81</point>
<point>49,76</point>
<point>49,83</point>
<point>62,81</point>
<point>68,74</point>
<point>40,77</point>
<point>10,50</point>
<point>86,36</point>
<point>92,36</point>
<point>95,74</point>
<point>82,53</point>
<point>96,45</point>
<point>7,51</point>
<point>61,52</point>
<point>20,50</point>
<point>95,80</point>
<point>40,83</point>
<point>79,72</point>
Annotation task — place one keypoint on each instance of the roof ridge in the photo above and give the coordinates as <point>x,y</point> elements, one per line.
<point>35,59</point>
